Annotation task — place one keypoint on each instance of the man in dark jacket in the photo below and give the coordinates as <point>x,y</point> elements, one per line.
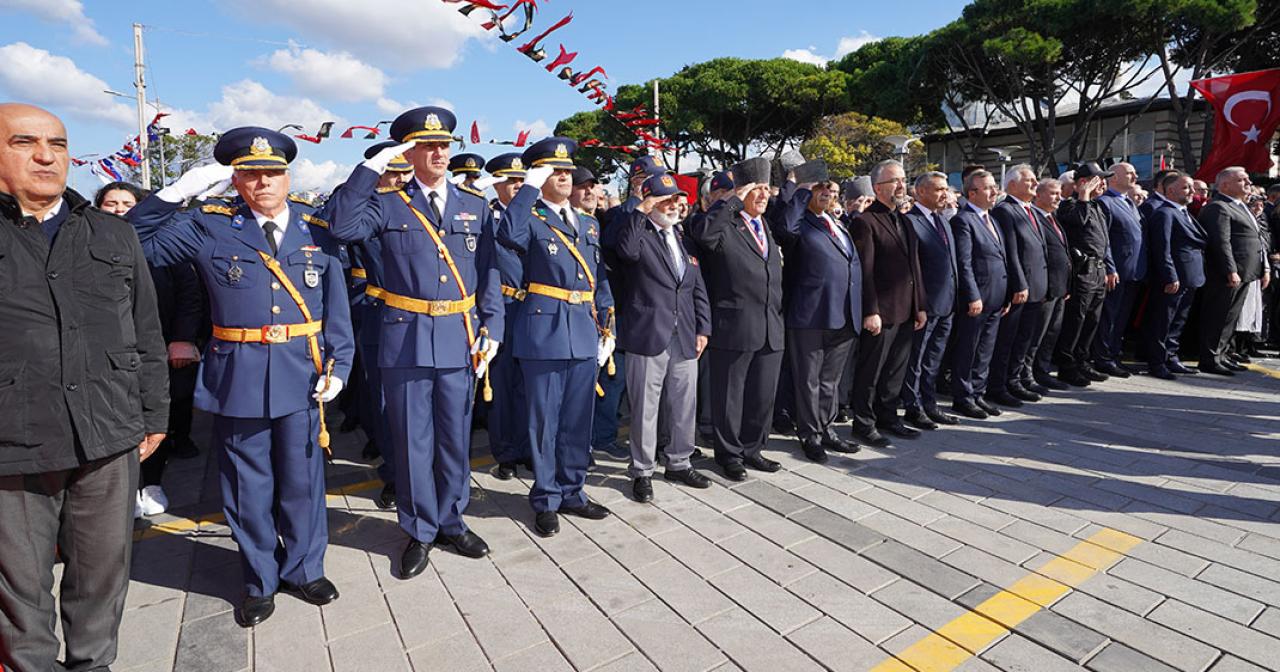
<point>84,390</point>
<point>1026,251</point>
<point>1058,262</point>
<point>1177,243</point>
<point>1233,258</point>
<point>1084,221</point>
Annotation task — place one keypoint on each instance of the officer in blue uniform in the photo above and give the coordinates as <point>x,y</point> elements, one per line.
<point>559,338</point>
<point>508,430</point>
<point>281,324</point>
<point>366,312</point>
<point>466,169</point>
<point>442,300</point>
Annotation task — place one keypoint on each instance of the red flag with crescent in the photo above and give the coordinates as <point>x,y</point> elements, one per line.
<point>1247,112</point>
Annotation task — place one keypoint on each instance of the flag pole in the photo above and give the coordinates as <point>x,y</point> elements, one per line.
<point>139,83</point>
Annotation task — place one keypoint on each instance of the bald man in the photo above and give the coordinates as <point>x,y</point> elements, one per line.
<point>84,388</point>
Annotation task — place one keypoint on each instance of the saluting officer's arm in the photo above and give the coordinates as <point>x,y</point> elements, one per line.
<point>788,215</point>
<point>513,230</point>
<point>169,235</point>
<point>719,222</point>
<point>622,238</point>
<point>354,211</point>
<point>339,339</point>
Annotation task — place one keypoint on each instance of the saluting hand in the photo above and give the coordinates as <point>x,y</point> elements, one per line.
<point>536,177</point>
<point>196,182</point>
<point>381,160</point>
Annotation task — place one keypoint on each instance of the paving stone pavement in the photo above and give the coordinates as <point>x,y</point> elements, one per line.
<point>835,566</point>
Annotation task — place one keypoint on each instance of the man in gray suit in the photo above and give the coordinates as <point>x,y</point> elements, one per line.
<point>1234,258</point>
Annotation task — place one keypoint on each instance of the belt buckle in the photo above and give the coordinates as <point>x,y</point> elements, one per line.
<point>575,297</point>
<point>438,308</point>
<point>275,333</point>
<point>521,294</point>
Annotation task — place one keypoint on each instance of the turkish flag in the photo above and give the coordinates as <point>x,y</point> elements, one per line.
<point>475,133</point>
<point>689,185</point>
<point>1247,112</point>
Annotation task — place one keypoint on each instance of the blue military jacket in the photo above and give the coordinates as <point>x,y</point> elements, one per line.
<point>546,327</point>
<point>823,275</point>
<point>366,311</point>
<point>412,266</point>
<point>255,380</point>
<point>1128,248</point>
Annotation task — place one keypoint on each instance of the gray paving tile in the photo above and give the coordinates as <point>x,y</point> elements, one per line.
<point>213,644</point>
<point>921,538</point>
<point>292,639</point>
<point>581,632</point>
<point>1120,658</point>
<point>361,606</point>
<point>843,531</point>
<point>844,564</point>
<point>632,662</point>
<point>753,646</point>
<point>424,611</point>
<point>782,567</point>
<point>912,564</point>
<point>772,497</point>
<point>149,634</point>
<point>765,600</point>
<point>543,657</point>
<point>1239,640</point>
<point>667,640</point>
<point>1243,583</point>
<point>608,584</point>
<point>982,538</point>
<point>700,555</point>
<point>1233,664</point>
<point>870,619</point>
<point>1268,622</point>
<point>458,652</point>
<point>770,525</point>
<point>1110,589</point>
<point>378,648</point>
<point>1221,553</point>
<point>1019,654</point>
<point>836,501</point>
<point>836,647</point>
<point>1192,591</point>
<point>1183,653</point>
<point>898,505</point>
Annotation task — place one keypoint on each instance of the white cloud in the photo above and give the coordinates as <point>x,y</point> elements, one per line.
<point>389,33</point>
<point>806,56</point>
<point>249,103</point>
<point>537,129</point>
<point>333,75</point>
<point>392,106</point>
<point>847,45</point>
<point>306,175</point>
<point>38,77</point>
<point>60,11</point>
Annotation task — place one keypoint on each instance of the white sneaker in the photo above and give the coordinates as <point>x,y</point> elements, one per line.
<point>152,500</point>
<point>137,506</point>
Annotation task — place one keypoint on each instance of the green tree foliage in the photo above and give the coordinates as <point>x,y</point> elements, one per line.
<point>851,143</point>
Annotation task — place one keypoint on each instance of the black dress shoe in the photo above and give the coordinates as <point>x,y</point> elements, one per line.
<point>1111,369</point>
<point>812,447</point>
<point>871,436</point>
<point>1163,374</point>
<point>1240,358</point>
<point>255,610</point>
<point>1094,374</point>
<point>734,471</point>
<point>1003,397</point>
<point>969,409</point>
<point>468,544</point>
<point>319,592</point>
<point>546,523</point>
<point>642,489</point>
<point>784,425</point>
<point>1178,367</point>
<point>832,442</point>
<point>1023,394</point>
<point>590,511</point>
<point>1051,383</point>
<point>918,418</point>
<point>939,417</point>
<point>387,498</point>
<point>370,451</point>
<point>505,471</point>
<point>761,463</point>
<point>1216,369</point>
<point>898,428</point>
<point>690,477</point>
<point>1227,362</point>
<point>1074,378</point>
<point>842,415</point>
<point>414,559</point>
<point>987,406</point>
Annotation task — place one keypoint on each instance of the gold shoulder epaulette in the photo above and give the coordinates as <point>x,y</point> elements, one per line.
<point>298,199</point>
<point>471,191</point>
<point>311,219</point>
<point>388,190</point>
<point>213,209</point>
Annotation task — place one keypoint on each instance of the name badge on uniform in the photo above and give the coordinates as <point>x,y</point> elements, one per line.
<point>311,277</point>
<point>471,244</point>
<point>464,216</point>
<point>234,273</point>
<point>552,248</point>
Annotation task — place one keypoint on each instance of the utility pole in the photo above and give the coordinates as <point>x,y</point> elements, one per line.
<point>139,83</point>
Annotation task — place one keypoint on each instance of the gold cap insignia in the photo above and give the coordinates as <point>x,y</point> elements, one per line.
<point>471,163</point>
<point>260,147</point>
<point>517,164</point>
<point>562,152</point>
<point>667,181</point>
<point>432,123</point>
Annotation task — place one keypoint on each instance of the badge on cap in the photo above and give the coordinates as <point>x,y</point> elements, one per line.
<point>517,164</point>
<point>311,277</point>
<point>260,147</point>
<point>432,122</point>
<point>562,152</point>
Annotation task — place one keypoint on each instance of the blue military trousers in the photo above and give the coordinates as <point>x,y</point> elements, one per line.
<point>373,411</point>
<point>508,431</point>
<point>561,400</point>
<point>429,412</point>
<point>272,478</point>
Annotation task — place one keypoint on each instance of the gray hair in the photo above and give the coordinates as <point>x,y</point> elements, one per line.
<point>1014,171</point>
<point>879,169</point>
<point>1048,182</point>
<point>973,178</point>
<point>1068,177</point>
<point>922,180</point>
<point>1226,173</point>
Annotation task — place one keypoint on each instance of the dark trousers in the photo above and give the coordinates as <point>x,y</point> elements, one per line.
<point>182,389</point>
<point>1042,355</point>
<point>373,411</point>
<point>817,358</point>
<point>1026,341</point>
<point>1166,317</point>
<point>272,480</point>
<point>882,366</point>
<point>508,430</point>
<point>1219,312</point>
<point>705,425</point>
<point>928,345</point>
<point>1117,308</point>
<point>975,343</point>
<point>1003,356</point>
<point>1080,317</point>
<point>86,515</point>
<point>560,394</point>
<point>784,402</point>
<point>604,424</point>
<point>743,385</point>
<point>845,392</point>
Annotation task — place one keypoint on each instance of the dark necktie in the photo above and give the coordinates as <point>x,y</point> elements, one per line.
<point>990,227</point>
<point>1032,217</point>
<point>564,217</point>
<point>673,250</point>
<point>435,209</point>
<point>1053,219</point>
<point>270,228</point>
<point>941,229</point>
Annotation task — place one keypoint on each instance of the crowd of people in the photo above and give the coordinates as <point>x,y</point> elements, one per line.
<point>419,305</point>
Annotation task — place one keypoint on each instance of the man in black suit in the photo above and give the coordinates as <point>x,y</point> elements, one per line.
<point>983,294</point>
<point>1058,261</point>
<point>742,267</point>
<point>1233,259</point>
<point>892,307</point>
<point>1026,250</point>
<point>1084,221</point>
<point>1177,243</point>
<point>938,267</point>
<point>663,323</point>
<point>823,312</point>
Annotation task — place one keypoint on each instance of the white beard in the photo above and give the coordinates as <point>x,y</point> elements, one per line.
<point>664,221</point>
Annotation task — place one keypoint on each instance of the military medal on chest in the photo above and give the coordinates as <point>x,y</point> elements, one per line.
<point>234,273</point>
<point>471,244</point>
<point>552,248</point>
<point>311,276</point>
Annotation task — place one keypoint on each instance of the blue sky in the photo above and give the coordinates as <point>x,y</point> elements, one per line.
<point>268,62</point>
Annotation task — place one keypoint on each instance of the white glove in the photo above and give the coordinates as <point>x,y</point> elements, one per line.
<point>487,348</point>
<point>216,190</point>
<point>195,182</point>
<point>536,177</point>
<point>487,181</point>
<point>605,349</point>
<point>381,160</point>
<point>328,395</point>
<point>457,179</point>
